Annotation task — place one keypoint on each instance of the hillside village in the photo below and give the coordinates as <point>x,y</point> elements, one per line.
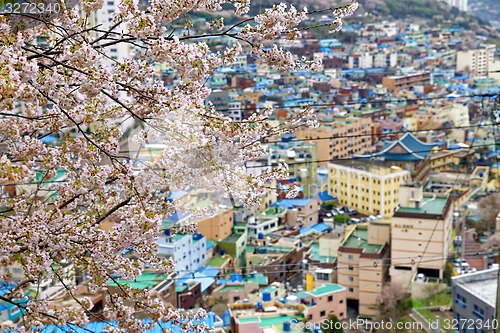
<point>390,190</point>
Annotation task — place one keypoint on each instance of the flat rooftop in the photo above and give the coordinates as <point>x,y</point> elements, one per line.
<point>233,238</point>
<point>233,287</point>
<point>217,261</point>
<point>143,281</point>
<point>429,205</point>
<point>482,284</point>
<point>314,254</point>
<point>327,288</point>
<point>258,278</point>
<point>359,240</point>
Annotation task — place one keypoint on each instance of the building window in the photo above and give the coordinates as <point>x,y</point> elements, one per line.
<point>341,301</point>
<point>341,314</point>
<point>330,298</point>
<point>351,290</point>
<point>351,268</point>
<point>351,279</point>
<point>322,313</point>
<point>236,298</point>
<point>478,312</point>
<point>461,301</point>
<point>350,257</point>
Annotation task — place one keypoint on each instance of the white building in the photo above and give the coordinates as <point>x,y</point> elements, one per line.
<point>479,61</point>
<point>104,19</point>
<point>361,60</point>
<point>189,252</point>
<point>234,110</point>
<point>462,5</point>
<point>262,225</point>
<point>385,59</point>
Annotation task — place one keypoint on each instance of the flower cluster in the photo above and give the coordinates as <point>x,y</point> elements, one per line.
<point>340,13</point>
<point>273,23</point>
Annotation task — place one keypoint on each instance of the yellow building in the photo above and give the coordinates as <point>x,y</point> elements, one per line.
<point>370,189</point>
<point>422,226</point>
<point>218,226</point>
<point>360,265</point>
<point>341,138</point>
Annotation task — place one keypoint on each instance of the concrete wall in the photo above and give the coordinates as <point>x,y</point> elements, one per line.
<point>337,306</point>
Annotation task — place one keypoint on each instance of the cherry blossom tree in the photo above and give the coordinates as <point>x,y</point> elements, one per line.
<point>57,77</point>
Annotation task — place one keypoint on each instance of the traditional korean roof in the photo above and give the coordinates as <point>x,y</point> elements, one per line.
<point>406,148</point>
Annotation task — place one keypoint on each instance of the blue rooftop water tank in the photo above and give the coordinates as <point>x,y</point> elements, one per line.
<point>259,306</point>
<point>222,252</point>
<point>266,296</point>
<point>167,232</point>
<point>260,236</point>
<point>287,327</point>
<point>226,318</point>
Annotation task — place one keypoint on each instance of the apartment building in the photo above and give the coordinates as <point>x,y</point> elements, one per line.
<point>188,251</point>
<point>360,265</point>
<point>478,61</point>
<point>104,19</point>
<point>370,189</point>
<point>422,226</point>
<point>341,138</point>
<point>398,82</point>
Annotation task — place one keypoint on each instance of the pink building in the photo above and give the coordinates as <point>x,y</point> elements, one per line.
<point>325,300</point>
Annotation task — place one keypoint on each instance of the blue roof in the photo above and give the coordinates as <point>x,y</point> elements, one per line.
<point>236,277</point>
<point>324,196</point>
<point>412,149</point>
<point>209,271</point>
<point>48,139</point>
<point>204,275</point>
<point>321,227</point>
<point>100,327</point>
<point>205,281</point>
<point>305,230</point>
<point>291,203</point>
<point>177,216</point>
